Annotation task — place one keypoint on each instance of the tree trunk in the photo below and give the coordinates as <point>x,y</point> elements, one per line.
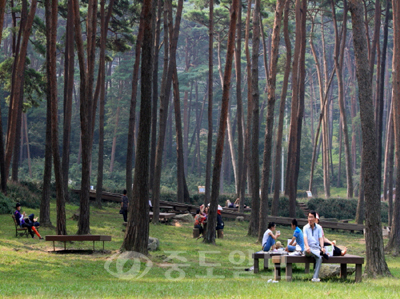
<point>114,142</point>
<point>247,138</point>
<point>375,257</point>
<point>137,234</point>
<point>388,170</point>
<point>297,106</point>
<point>17,87</point>
<point>180,173</point>
<point>270,119</point>
<point>45,202</point>
<point>132,111</point>
<point>68,88</point>
<point>212,215</point>
<point>238,68</point>
<point>339,54</point>
<point>164,100</point>
<point>394,240</point>
<point>279,136</point>
<point>86,77</point>
<point>210,103</point>
<point>254,160</point>
<point>155,93</point>
<point>28,152</point>
<point>102,83</point>
<point>18,135</point>
<point>380,87</point>
<point>51,64</point>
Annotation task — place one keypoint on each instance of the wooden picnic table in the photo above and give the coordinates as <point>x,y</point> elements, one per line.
<point>297,259</point>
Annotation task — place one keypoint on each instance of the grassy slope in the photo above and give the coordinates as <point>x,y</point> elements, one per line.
<point>46,274</point>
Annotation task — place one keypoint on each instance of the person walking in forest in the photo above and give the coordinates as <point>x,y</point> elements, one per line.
<point>124,206</point>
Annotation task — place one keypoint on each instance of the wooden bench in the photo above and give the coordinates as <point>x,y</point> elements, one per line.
<point>265,255</point>
<point>79,238</point>
<point>342,260</point>
<point>21,230</point>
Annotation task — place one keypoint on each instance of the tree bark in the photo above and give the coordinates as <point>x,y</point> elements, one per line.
<point>254,160</point>
<point>51,64</point>
<point>210,103</point>
<point>375,257</point>
<point>105,18</point>
<point>86,78</point>
<point>68,89</point>
<point>137,234</point>
<point>297,106</point>
<point>338,60</point>
<point>270,119</point>
<point>17,87</point>
<point>247,136</point>
<point>279,136</point>
<point>155,93</point>
<point>132,111</point>
<point>394,240</point>
<point>164,100</point>
<point>381,87</point>
<point>212,215</point>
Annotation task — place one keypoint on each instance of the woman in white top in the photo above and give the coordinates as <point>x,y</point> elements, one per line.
<point>269,238</point>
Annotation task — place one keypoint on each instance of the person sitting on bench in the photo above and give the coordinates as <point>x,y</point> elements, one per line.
<point>313,242</point>
<point>336,250</point>
<point>269,238</point>
<point>297,238</point>
<point>29,223</point>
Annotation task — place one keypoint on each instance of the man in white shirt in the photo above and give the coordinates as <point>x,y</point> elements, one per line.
<point>313,242</point>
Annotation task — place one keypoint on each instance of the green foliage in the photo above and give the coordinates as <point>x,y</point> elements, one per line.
<point>284,208</point>
<point>6,206</point>
<point>339,208</point>
<point>22,194</point>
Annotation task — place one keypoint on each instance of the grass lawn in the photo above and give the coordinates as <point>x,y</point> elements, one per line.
<point>181,268</point>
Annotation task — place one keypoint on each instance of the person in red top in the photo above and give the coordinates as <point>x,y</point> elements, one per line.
<point>198,221</point>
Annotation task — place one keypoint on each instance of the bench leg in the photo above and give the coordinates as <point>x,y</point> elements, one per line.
<point>266,258</point>
<point>307,268</point>
<point>54,246</point>
<point>358,272</point>
<point>103,246</point>
<point>65,245</point>
<point>289,271</point>
<point>256,270</point>
<point>93,245</point>
<point>343,271</point>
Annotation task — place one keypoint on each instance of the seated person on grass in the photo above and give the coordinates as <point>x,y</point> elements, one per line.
<point>336,250</point>
<point>269,238</point>
<point>297,238</point>
<point>198,221</point>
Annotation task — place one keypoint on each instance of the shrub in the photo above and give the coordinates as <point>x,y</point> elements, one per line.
<point>6,206</point>
<point>338,208</point>
<point>384,212</point>
<point>284,208</point>
<point>19,193</point>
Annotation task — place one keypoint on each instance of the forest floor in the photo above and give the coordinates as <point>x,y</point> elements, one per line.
<point>182,267</point>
